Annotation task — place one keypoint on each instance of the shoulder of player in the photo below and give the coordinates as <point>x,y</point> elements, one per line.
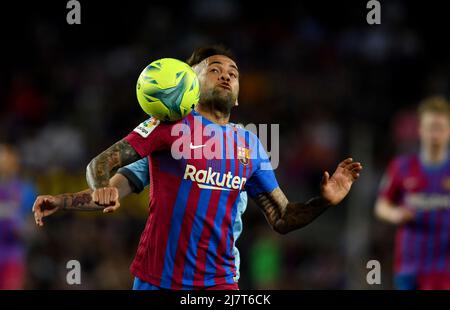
<point>149,125</point>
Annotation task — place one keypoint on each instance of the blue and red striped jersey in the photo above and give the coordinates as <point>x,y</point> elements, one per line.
<point>422,245</point>
<point>197,171</point>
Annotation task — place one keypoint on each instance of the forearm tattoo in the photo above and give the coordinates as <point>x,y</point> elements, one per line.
<point>105,165</point>
<point>285,216</point>
<point>80,201</point>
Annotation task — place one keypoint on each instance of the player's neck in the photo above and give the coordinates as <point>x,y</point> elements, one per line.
<point>434,156</point>
<point>214,116</point>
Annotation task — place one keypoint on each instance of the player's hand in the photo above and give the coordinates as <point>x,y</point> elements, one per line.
<point>336,187</point>
<point>108,197</point>
<point>45,205</point>
<point>402,216</point>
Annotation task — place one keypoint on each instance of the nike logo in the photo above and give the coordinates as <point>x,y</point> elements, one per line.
<point>196,146</point>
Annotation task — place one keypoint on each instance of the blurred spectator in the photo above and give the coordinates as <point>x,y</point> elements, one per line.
<point>16,199</point>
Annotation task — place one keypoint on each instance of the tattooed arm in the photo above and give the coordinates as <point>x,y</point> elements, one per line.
<point>81,201</point>
<point>102,167</point>
<point>285,216</point>
<point>46,205</point>
<point>105,165</point>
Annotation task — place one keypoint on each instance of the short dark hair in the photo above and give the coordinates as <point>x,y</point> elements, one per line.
<point>202,53</point>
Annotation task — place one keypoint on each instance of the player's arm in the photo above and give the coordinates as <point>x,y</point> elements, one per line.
<point>105,165</point>
<point>285,216</point>
<point>102,167</point>
<point>389,212</point>
<point>386,206</point>
<point>46,205</point>
<point>146,138</point>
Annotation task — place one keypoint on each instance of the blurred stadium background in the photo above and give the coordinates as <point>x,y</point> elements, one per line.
<point>336,85</point>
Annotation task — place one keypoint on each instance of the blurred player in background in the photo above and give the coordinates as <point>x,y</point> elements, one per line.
<point>16,198</point>
<point>415,195</point>
<point>188,241</point>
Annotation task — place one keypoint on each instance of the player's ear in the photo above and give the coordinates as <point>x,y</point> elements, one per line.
<point>200,67</point>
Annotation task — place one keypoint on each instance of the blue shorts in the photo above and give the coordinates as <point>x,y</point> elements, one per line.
<point>405,281</point>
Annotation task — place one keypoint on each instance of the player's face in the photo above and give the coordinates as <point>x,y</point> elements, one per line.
<point>434,129</point>
<point>219,80</point>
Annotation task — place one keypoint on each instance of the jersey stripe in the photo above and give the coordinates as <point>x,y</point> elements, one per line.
<point>222,267</point>
<point>422,239</point>
<point>230,245</point>
<point>203,244</point>
<point>240,141</point>
<point>444,258</point>
<point>207,231</point>
<point>187,222</point>
<point>433,226</point>
<point>153,249</point>
<point>436,239</point>
<point>175,228</point>
<point>231,215</point>
<point>446,254</point>
<point>194,249</point>
<point>183,241</point>
<point>418,240</point>
<point>428,251</point>
<point>216,235</point>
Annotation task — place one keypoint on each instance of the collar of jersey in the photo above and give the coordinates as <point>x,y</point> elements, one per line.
<point>195,113</point>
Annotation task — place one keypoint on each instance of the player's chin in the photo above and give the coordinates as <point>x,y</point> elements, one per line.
<point>223,96</point>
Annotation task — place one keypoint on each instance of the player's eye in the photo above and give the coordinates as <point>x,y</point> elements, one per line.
<point>214,70</point>
<point>233,75</point>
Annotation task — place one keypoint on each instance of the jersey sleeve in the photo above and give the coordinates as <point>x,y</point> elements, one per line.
<point>137,174</point>
<point>390,186</point>
<point>151,135</point>
<point>263,179</point>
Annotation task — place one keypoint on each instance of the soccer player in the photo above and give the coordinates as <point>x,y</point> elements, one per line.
<point>16,197</point>
<point>415,195</point>
<point>189,238</point>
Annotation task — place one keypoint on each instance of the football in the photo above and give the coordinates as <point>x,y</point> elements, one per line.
<point>168,89</point>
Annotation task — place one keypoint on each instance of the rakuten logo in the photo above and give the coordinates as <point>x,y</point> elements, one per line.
<point>208,179</point>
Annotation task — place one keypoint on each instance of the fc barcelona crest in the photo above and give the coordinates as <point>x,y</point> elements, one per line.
<point>243,155</point>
